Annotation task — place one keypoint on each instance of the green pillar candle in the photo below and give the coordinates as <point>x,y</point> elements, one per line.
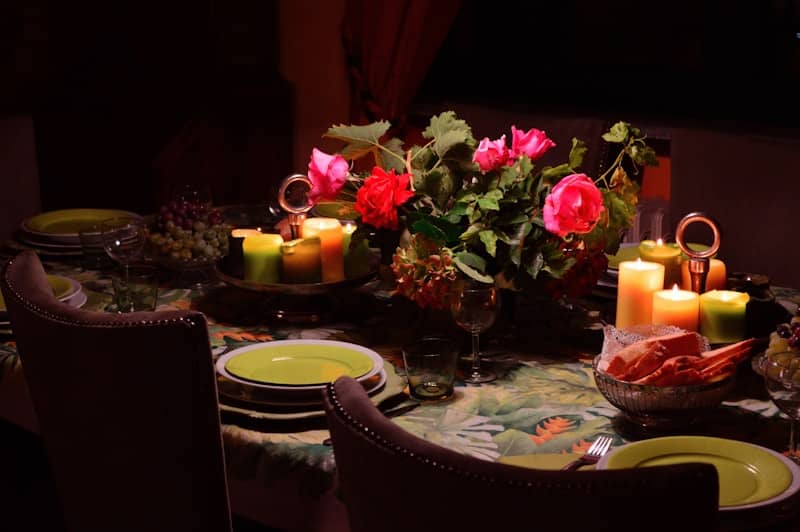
<point>262,258</point>
<point>302,261</point>
<point>667,254</point>
<point>722,316</point>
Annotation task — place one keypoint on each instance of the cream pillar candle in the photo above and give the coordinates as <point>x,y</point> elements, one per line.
<point>717,275</point>
<point>680,308</point>
<point>722,316</point>
<point>329,231</point>
<point>637,282</point>
<point>262,257</point>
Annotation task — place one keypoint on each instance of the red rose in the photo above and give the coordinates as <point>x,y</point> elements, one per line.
<point>380,195</point>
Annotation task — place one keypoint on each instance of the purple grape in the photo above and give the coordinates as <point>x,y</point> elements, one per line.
<point>784,331</point>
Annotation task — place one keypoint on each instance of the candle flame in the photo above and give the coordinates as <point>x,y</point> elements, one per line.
<point>675,288</point>
<point>659,242</point>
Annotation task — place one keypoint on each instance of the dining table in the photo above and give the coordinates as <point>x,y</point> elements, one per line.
<point>543,411</point>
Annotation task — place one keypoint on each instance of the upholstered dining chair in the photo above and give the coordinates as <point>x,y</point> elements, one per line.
<point>391,480</point>
<point>127,407</point>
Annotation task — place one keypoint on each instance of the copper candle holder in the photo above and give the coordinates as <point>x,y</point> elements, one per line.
<point>698,260</point>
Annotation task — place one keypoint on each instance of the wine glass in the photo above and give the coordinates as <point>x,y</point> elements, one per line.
<point>781,372</point>
<point>475,307</point>
<point>123,239</point>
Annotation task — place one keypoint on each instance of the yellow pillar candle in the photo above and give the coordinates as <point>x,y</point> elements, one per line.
<point>301,261</point>
<point>356,260</point>
<point>680,308</point>
<point>262,257</point>
<point>717,276</point>
<point>638,280</point>
<point>722,316</point>
<point>667,254</point>
<point>329,231</point>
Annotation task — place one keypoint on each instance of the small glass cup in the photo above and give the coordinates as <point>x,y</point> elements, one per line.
<point>137,293</point>
<point>430,364</point>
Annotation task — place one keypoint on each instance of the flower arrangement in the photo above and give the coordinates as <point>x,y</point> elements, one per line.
<point>483,209</point>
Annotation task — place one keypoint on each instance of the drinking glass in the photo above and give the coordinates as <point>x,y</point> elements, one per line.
<point>781,372</point>
<point>474,308</point>
<point>123,240</point>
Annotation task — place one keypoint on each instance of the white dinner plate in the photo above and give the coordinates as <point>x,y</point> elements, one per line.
<point>377,364</point>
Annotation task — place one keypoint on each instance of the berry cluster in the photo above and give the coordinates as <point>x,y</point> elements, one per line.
<point>425,273</point>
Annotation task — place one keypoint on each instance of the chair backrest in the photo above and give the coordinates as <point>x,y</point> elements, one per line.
<point>127,406</point>
<point>392,481</point>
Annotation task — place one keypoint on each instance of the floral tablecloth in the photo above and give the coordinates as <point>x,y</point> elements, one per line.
<point>546,401</point>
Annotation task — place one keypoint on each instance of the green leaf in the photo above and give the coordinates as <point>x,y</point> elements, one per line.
<point>552,174</point>
<point>472,260</point>
<point>535,265</point>
<point>471,231</point>
<point>444,230</point>
<point>489,239</point>
<point>447,142</point>
<point>360,140</point>
<point>642,155</point>
<point>444,123</point>
<point>618,133</point>
<point>471,272</point>
<point>577,153</point>
<point>508,176</point>
<point>395,146</point>
<point>489,201</point>
<point>438,184</point>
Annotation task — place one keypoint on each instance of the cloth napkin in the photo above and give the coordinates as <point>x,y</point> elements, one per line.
<point>543,461</point>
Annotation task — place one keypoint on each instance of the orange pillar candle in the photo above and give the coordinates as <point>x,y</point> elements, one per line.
<point>638,280</point>
<point>301,261</point>
<point>329,231</point>
<point>262,257</point>
<point>680,308</point>
<point>722,316</point>
<point>717,276</point>
<point>667,254</point>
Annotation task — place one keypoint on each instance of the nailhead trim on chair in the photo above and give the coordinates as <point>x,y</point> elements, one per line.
<point>397,448</point>
<point>183,320</point>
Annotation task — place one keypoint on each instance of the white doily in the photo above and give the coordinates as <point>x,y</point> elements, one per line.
<point>615,339</point>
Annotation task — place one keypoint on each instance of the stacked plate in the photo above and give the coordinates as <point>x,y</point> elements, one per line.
<point>67,290</point>
<point>55,233</point>
<point>750,476</point>
<point>287,375</point>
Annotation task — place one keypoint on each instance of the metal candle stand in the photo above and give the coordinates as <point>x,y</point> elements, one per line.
<point>293,198</point>
<point>698,260</point>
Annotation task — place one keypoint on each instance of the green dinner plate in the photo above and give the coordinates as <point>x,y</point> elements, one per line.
<point>299,364</point>
<point>71,221</point>
<point>631,252</point>
<point>747,473</point>
<point>61,288</point>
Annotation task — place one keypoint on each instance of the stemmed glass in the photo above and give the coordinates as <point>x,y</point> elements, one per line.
<point>475,308</point>
<point>781,372</point>
<point>123,240</point>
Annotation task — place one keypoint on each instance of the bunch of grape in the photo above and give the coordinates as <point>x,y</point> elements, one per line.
<point>190,231</point>
<point>784,346</point>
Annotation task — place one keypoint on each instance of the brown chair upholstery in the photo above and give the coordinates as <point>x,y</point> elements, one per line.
<point>127,406</point>
<point>392,481</point>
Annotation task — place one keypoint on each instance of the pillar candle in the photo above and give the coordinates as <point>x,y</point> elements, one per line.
<point>680,308</point>
<point>262,257</point>
<point>329,231</point>
<point>637,282</point>
<point>667,254</point>
<point>717,276</point>
<point>233,262</point>
<point>356,259</point>
<point>722,316</point>
<point>301,261</point>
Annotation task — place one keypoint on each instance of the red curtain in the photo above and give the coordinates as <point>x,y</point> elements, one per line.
<point>390,47</point>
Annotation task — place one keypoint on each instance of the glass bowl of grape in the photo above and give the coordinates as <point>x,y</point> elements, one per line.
<point>187,234</point>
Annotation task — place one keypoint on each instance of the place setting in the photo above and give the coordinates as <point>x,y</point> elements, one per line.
<point>65,289</point>
<point>284,379</point>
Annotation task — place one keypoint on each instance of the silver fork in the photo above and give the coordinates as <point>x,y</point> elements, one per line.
<point>596,451</point>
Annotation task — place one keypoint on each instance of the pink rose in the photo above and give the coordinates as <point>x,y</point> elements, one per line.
<point>491,154</point>
<point>327,173</point>
<point>534,143</point>
<point>573,206</point>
